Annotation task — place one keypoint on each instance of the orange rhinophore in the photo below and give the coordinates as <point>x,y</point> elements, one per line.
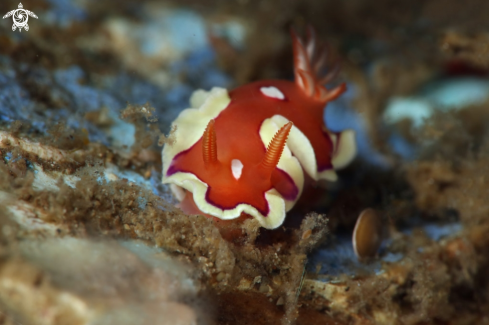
<point>209,150</point>
<point>275,149</point>
<point>246,151</point>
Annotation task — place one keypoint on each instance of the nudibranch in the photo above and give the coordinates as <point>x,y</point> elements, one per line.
<point>246,151</point>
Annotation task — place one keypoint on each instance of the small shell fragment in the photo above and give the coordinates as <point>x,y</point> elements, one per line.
<point>367,235</point>
<point>306,234</point>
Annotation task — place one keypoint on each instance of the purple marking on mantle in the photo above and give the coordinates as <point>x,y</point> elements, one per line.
<point>172,169</point>
<point>292,195</point>
<point>327,165</point>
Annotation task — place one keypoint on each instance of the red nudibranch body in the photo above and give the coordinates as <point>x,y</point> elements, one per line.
<point>246,151</point>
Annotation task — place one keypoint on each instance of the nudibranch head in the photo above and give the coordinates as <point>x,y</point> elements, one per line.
<point>235,182</point>
<point>246,151</point>
<point>231,171</point>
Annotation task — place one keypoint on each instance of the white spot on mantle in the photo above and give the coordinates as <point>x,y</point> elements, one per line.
<point>237,168</point>
<point>272,92</point>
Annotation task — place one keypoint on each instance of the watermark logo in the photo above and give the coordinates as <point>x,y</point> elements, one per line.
<point>20,17</point>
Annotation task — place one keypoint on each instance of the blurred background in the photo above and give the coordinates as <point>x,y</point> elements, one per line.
<point>402,61</point>
<point>95,85</point>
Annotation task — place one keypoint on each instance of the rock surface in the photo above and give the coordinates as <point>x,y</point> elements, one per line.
<point>89,235</point>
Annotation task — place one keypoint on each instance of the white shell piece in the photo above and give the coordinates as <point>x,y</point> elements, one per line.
<point>28,216</point>
<point>272,92</point>
<point>237,168</point>
<point>41,150</point>
<point>48,181</point>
